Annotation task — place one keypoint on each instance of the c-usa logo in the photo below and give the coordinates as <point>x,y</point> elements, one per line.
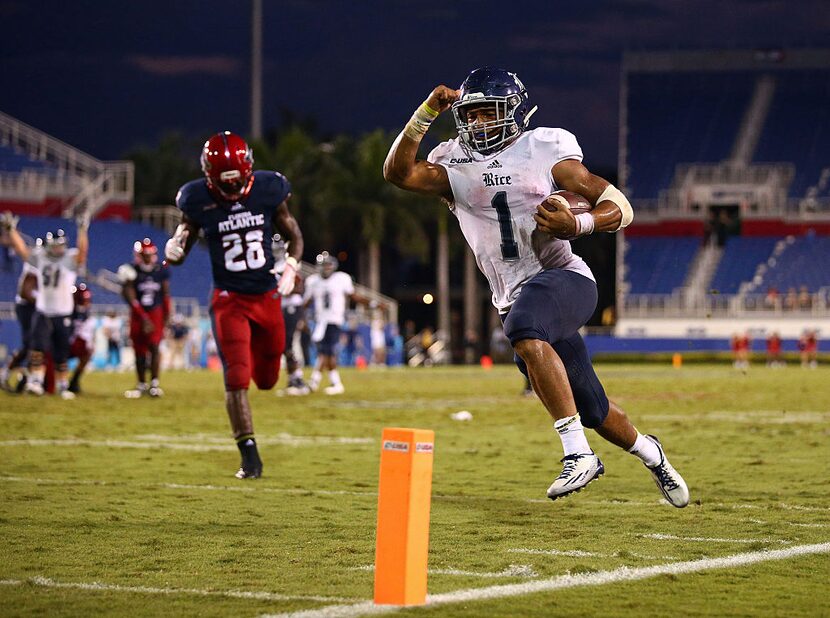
<point>462,160</point>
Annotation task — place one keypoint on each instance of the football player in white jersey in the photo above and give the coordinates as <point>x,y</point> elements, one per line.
<point>495,176</point>
<point>330,291</point>
<point>56,268</point>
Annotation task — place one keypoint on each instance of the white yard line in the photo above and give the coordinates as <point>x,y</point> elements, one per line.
<point>563,582</point>
<point>188,443</point>
<point>236,488</point>
<point>578,553</point>
<point>234,594</point>
<point>701,539</point>
<point>514,570</point>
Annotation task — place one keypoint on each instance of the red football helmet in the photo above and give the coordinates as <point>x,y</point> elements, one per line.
<point>228,164</point>
<point>146,254</point>
<point>82,295</point>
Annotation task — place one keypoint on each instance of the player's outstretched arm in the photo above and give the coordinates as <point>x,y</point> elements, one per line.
<point>401,167</point>
<point>611,212</point>
<point>182,241</point>
<point>9,223</point>
<point>83,240</point>
<point>287,226</point>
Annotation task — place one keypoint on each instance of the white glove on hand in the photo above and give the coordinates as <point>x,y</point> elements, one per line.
<point>174,248</point>
<point>173,251</point>
<point>288,277</point>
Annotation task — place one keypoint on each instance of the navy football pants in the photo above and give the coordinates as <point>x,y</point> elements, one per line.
<point>552,307</point>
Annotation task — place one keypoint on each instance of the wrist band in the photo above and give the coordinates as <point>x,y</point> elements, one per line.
<point>418,125</point>
<point>292,262</point>
<point>584,224</point>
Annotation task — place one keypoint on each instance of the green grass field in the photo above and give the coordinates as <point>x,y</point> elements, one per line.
<point>124,507</point>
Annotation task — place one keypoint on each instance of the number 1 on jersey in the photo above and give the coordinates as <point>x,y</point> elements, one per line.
<point>509,248</point>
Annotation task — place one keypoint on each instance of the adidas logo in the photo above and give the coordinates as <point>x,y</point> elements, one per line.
<point>236,207</point>
<point>494,165</point>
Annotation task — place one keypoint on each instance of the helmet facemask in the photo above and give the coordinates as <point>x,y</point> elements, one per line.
<point>493,135</point>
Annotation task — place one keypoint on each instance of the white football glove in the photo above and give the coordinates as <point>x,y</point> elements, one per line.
<point>288,277</point>
<point>174,248</point>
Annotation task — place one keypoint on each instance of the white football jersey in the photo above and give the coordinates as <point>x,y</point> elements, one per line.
<point>55,281</point>
<point>495,198</point>
<point>330,296</point>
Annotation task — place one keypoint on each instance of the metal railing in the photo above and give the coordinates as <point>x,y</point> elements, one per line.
<point>681,305</point>
<point>89,182</point>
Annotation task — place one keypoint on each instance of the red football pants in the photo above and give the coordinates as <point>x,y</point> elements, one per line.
<point>250,337</point>
<point>142,342</point>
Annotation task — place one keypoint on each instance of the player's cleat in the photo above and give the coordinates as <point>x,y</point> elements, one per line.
<point>335,389</point>
<point>668,481</point>
<point>34,388</point>
<point>297,387</point>
<point>253,472</point>
<point>155,391</point>
<point>136,392</point>
<point>67,395</point>
<point>579,469</point>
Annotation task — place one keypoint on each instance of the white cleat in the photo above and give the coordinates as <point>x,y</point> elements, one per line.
<point>155,391</point>
<point>297,391</point>
<point>334,389</point>
<point>34,388</point>
<point>136,392</point>
<point>668,481</point>
<point>67,395</point>
<point>579,470</point>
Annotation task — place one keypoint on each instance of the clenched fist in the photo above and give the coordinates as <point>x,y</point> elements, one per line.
<point>442,98</point>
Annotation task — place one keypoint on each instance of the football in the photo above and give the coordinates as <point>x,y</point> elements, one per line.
<point>576,202</point>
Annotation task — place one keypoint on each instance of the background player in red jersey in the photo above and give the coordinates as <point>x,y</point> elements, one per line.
<point>238,211</point>
<point>146,288</point>
<point>82,343</point>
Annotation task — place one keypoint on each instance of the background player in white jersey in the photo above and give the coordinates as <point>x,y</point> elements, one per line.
<point>56,268</point>
<point>330,291</point>
<point>495,176</point>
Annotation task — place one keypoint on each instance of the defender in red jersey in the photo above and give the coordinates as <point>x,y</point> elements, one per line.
<point>146,288</point>
<point>238,210</point>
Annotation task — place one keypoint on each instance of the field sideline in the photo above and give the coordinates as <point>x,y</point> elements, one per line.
<point>128,507</point>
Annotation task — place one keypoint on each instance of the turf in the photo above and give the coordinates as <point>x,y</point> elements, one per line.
<point>139,493</point>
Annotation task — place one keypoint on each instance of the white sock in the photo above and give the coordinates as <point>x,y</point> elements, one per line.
<point>298,374</point>
<point>316,376</point>
<point>334,377</point>
<point>37,375</point>
<point>646,450</point>
<point>572,434</point>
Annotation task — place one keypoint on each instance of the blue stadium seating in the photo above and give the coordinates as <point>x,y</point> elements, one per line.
<point>741,257</point>
<point>110,246</point>
<point>681,118</point>
<point>13,161</point>
<point>658,265</point>
<point>798,127</point>
<point>803,262</point>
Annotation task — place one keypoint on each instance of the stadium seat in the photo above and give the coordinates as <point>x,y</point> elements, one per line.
<point>658,265</point>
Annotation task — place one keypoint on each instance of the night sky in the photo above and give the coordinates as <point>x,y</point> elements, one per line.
<point>111,75</point>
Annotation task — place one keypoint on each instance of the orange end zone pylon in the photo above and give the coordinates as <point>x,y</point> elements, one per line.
<point>404,493</point>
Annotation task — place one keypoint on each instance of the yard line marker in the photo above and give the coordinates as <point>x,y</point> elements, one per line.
<point>514,570</point>
<point>562,582</point>
<point>47,582</point>
<point>700,539</point>
<point>578,553</point>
